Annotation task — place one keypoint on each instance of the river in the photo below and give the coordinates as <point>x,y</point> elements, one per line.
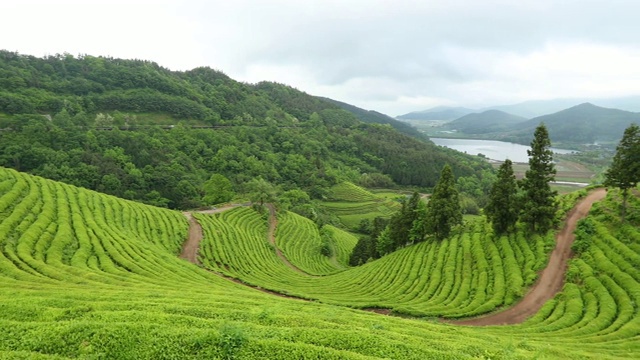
<point>492,149</point>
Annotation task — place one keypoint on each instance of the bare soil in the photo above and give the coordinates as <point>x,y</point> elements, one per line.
<point>552,277</point>
<point>191,246</point>
<point>548,285</point>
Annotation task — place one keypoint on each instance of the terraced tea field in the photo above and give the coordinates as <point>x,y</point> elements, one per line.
<point>84,275</point>
<point>353,204</point>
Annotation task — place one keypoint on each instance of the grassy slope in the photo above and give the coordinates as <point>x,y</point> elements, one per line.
<point>87,275</point>
<point>353,204</point>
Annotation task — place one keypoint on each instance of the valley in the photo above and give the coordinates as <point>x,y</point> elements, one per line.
<point>147,213</point>
<point>120,288</point>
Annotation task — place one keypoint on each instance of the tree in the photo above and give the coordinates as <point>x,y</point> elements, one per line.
<point>539,206</point>
<point>419,225</point>
<point>443,209</point>
<point>502,209</point>
<point>384,242</point>
<point>624,172</point>
<point>261,191</point>
<point>402,221</point>
<point>366,248</point>
<point>218,189</point>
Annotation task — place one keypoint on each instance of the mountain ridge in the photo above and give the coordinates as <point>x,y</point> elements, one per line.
<point>487,121</point>
<point>585,123</point>
<point>175,129</point>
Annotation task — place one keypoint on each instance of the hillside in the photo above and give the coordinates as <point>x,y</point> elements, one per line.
<point>89,275</point>
<point>134,129</point>
<point>581,124</point>
<point>485,122</point>
<point>437,113</point>
<point>370,116</point>
<point>351,204</point>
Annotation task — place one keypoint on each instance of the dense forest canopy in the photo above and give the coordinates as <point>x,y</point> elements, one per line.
<point>94,122</point>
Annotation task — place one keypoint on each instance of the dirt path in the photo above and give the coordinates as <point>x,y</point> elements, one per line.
<point>552,277</point>
<point>191,246</point>
<point>548,285</point>
<point>273,225</point>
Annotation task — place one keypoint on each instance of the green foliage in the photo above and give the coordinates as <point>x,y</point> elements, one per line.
<point>370,116</point>
<point>443,209</point>
<point>419,226</point>
<point>218,189</point>
<point>232,338</point>
<point>85,275</point>
<point>366,248</point>
<point>384,242</point>
<point>539,206</point>
<point>325,248</point>
<point>401,223</point>
<point>353,204</point>
<point>93,105</point>
<point>583,233</point>
<point>260,191</point>
<point>305,245</point>
<point>294,198</point>
<point>502,209</point>
<point>468,205</point>
<point>375,180</point>
<point>624,172</point>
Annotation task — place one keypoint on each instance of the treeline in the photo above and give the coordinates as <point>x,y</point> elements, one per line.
<point>530,201</point>
<point>282,135</point>
<point>170,167</point>
<point>412,223</point>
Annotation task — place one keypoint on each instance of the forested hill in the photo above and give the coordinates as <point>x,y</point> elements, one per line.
<point>581,124</point>
<point>370,116</point>
<point>94,122</point>
<point>485,122</point>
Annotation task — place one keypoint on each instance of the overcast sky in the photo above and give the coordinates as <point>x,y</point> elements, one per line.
<point>390,56</point>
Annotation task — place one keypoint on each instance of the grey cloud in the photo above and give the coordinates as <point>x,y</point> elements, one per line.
<point>404,43</point>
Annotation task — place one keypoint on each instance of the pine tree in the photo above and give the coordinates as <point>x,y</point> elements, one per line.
<point>443,209</point>
<point>419,226</point>
<point>539,207</point>
<point>402,222</point>
<point>624,172</point>
<point>384,243</point>
<point>502,209</point>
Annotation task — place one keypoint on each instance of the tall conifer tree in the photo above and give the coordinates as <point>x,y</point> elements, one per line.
<point>624,172</point>
<point>443,209</point>
<point>539,207</point>
<point>502,209</point>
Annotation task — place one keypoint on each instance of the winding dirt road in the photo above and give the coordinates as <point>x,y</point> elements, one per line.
<point>548,285</point>
<point>552,277</point>
<point>191,246</point>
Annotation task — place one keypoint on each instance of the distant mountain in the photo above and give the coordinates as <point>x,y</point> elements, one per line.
<point>535,108</point>
<point>437,113</point>
<point>489,121</point>
<point>629,103</point>
<point>370,116</point>
<point>581,124</point>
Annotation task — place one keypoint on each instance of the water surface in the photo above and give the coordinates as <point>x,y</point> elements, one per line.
<point>492,149</point>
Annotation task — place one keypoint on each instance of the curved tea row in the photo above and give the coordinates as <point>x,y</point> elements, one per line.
<point>88,275</point>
